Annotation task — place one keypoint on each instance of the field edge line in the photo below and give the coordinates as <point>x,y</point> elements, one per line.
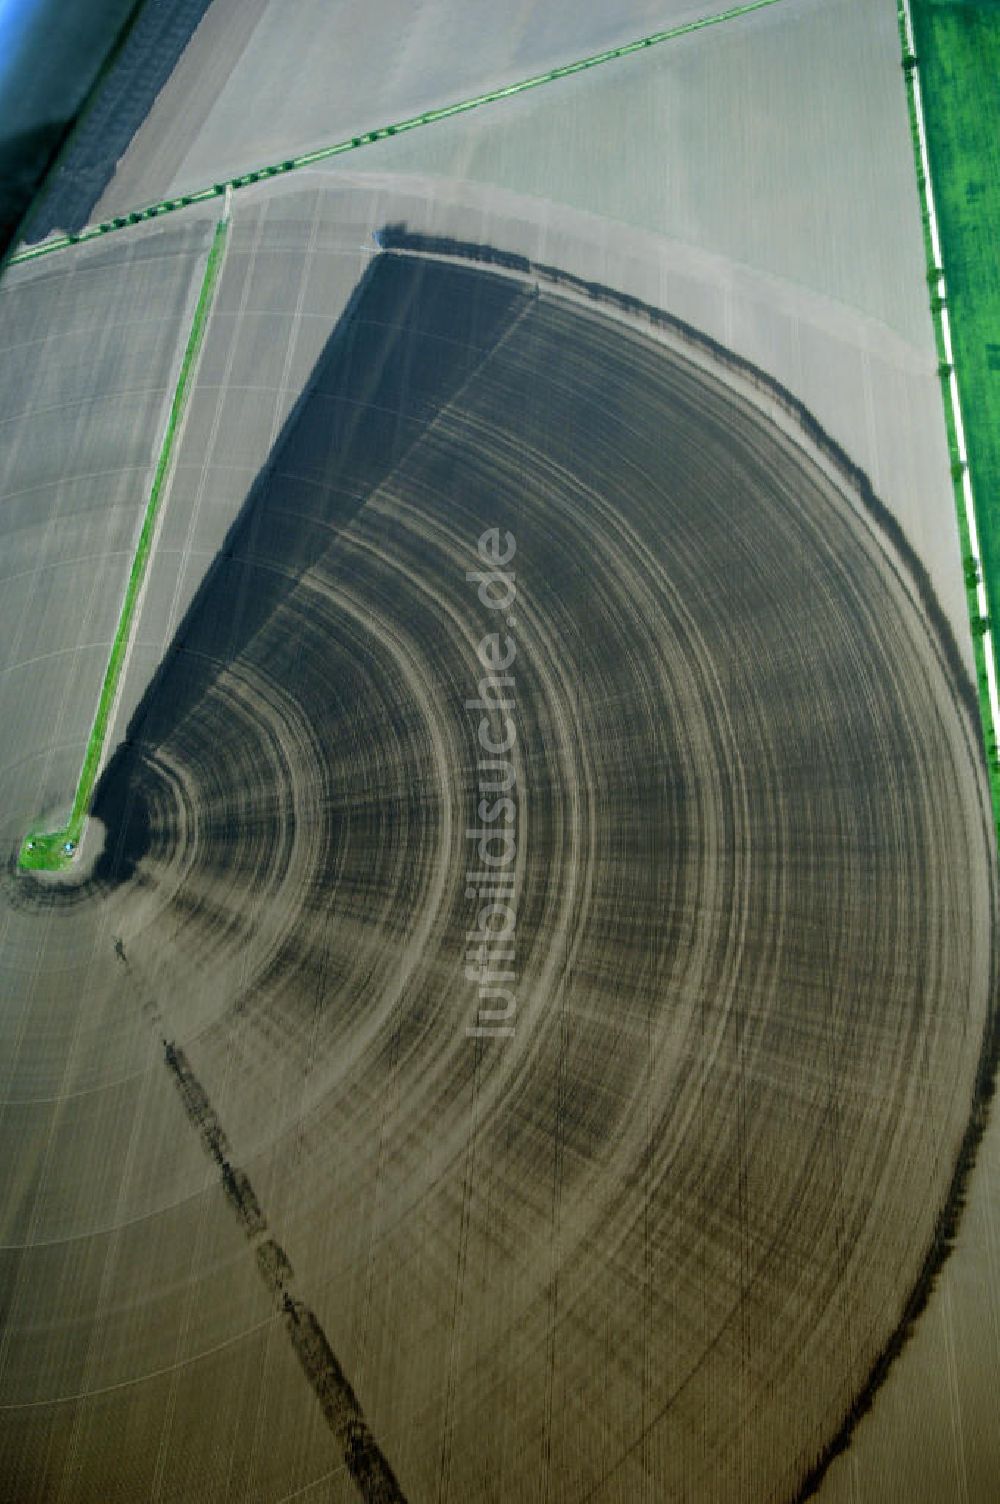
<point>977,594</point>
<point>55,850</point>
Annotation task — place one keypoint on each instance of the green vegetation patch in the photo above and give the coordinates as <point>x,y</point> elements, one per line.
<point>54,850</point>
<point>957,59</point>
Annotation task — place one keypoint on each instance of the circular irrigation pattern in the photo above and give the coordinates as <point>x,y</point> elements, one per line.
<point>638,1213</point>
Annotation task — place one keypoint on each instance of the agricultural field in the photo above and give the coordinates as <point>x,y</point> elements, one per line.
<point>521,1021</point>
<point>90,353</point>
<point>267,80</point>
<point>285,870</point>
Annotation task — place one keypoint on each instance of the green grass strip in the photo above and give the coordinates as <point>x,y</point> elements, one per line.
<point>53,850</point>
<point>368,138</point>
<point>954,99</point>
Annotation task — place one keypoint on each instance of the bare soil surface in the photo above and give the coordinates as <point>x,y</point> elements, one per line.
<point>276,1221</point>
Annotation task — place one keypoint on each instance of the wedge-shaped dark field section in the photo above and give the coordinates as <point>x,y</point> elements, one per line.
<point>654,1243</point>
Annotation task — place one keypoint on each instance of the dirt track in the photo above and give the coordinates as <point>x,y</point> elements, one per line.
<point>649,1246</point>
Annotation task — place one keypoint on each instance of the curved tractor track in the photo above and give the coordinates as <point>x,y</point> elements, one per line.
<point>651,1242</point>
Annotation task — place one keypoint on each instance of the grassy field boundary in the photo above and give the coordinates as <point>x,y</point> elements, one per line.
<point>53,850</point>
<point>382,133</point>
<point>964,468</point>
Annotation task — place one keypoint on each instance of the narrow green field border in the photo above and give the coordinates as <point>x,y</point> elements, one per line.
<point>354,143</point>
<point>53,850</point>
<point>936,285</point>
